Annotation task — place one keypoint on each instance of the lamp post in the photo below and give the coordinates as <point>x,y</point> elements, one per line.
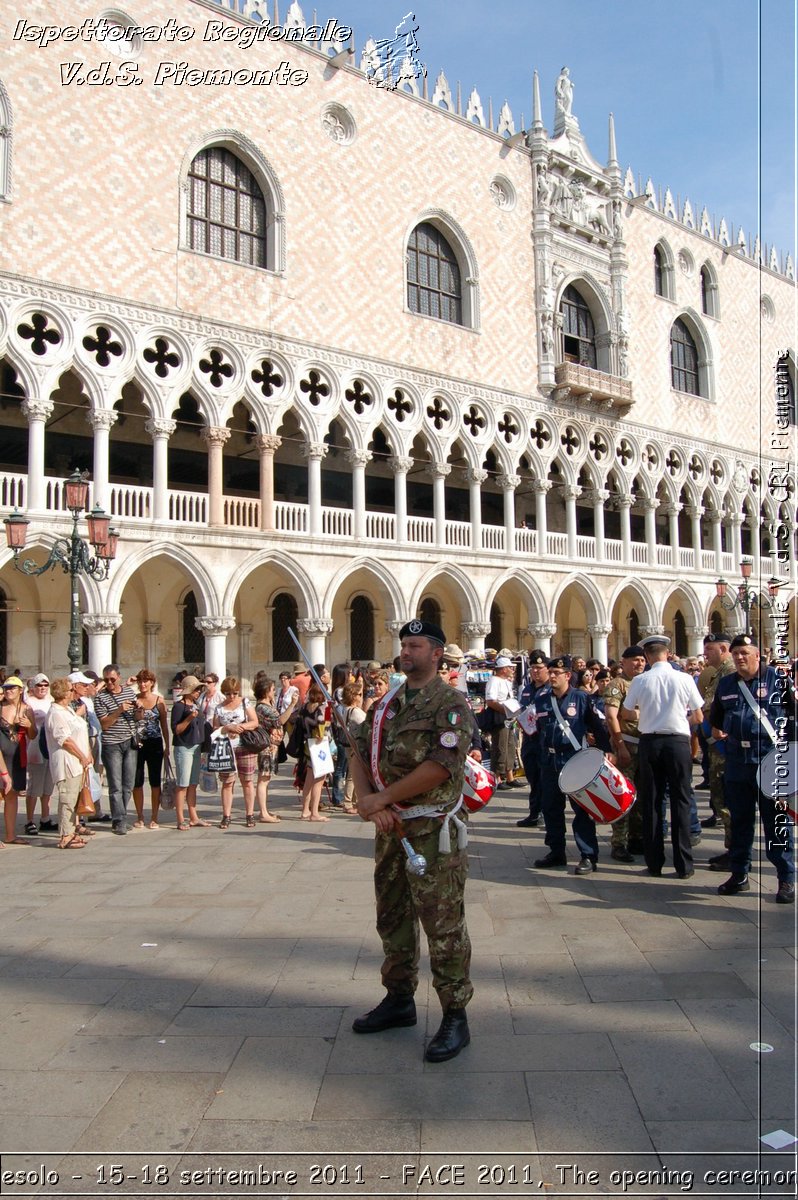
<point>746,597</point>
<point>72,553</point>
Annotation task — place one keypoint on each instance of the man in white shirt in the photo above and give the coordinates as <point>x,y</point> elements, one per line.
<point>40,782</point>
<point>668,704</point>
<point>500,688</point>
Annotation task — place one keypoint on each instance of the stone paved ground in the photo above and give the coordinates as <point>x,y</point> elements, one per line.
<point>186,999</point>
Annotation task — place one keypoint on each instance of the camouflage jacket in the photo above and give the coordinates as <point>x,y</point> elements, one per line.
<point>614,697</point>
<point>435,725</point>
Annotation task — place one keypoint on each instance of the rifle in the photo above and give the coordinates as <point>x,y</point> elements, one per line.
<point>416,863</point>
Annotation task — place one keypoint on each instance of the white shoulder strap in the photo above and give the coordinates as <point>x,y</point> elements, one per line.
<point>566,728</point>
<point>761,716</point>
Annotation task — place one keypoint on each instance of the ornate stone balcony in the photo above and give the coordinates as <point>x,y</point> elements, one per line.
<point>589,387</point>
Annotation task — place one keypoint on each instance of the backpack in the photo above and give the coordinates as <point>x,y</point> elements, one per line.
<point>296,740</point>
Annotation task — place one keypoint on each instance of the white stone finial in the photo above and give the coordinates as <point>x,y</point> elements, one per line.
<point>789,270</point>
<point>612,160</point>
<point>774,259</point>
<point>506,122</point>
<point>687,215</point>
<point>537,111</point>
<point>629,183</point>
<point>741,240</point>
<point>723,233</point>
<point>650,194</point>
<point>442,96</point>
<point>706,224</point>
<point>295,18</point>
<point>669,208</point>
<point>473,112</point>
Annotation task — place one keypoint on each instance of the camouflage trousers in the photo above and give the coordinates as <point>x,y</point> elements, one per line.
<point>717,793</point>
<point>630,826</point>
<point>433,900</point>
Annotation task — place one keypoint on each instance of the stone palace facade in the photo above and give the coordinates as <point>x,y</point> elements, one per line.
<point>339,347</point>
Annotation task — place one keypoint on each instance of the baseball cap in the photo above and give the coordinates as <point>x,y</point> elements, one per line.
<point>79,677</point>
<point>503,661</point>
<point>40,678</point>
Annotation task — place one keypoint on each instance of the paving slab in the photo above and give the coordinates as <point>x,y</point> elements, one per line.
<point>271,1078</point>
<point>671,1076</point>
<point>157,1108</point>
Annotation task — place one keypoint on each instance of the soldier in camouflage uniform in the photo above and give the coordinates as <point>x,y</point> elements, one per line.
<point>719,663</point>
<point>425,734</point>
<point>627,833</point>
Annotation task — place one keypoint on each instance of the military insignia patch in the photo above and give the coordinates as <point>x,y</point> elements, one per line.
<point>454,718</point>
<point>571,710</point>
<point>449,740</point>
<point>415,626</point>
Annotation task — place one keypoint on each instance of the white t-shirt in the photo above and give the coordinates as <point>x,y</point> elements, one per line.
<point>40,706</point>
<point>663,697</point>
<point>499,689</point>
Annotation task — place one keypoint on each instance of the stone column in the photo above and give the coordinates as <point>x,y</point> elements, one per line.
<point>313,632</point>
<point>46,631</point>
<point>473,634</point>
<point>541,488</point>
<point>598,636</point>
<point>36,412</point>
<point>717,542</point>
<point>245,657</point>
<point>160,431</point>
<point>624,506</point>
<point>508,484</point>
<point>314,452</point>
<point>736,524</point>
<point>439,472</point>
<point>400,468</point>
<point>215,630</point>
<point>672,513</point>
<point>570,493</point>
<point>475,478</point>
<point>152,629</point>
<point>695,513</point>
<point>393,627</point>
<point>650,506</point>
<point>215,437</point>
<point>598,498</point>
<point>542,634</point>
<point>695,639</point>
<point>101,421</point>
<point>268,444</point>
<point>357,460</point>
<point>101,628</point>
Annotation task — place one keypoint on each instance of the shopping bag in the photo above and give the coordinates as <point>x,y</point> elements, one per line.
<point>220,757</point>
<point>321,759</point>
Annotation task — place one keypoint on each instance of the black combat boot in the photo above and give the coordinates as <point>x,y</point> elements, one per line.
<point>452,1037</point>
<point>391,1013</point>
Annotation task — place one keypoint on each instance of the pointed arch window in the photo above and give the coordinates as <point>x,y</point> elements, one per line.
<point>284,617</point>
<point>227,211</point>
<point>434,287</point>
<point>785,392</point>
<point>709,292</point>
<point>578,330</point>
<point>684,360</point>
<point>193,641</point>
<point>361,628</point>
<point>430,610</point>
<point>663,271</point>
<point>659,272</point>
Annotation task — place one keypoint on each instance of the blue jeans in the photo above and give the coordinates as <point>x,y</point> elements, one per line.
<point>120,765</point>
<point>339,775</point>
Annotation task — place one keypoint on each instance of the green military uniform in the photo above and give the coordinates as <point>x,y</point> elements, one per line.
<point>434,724</point>
<point>707,684</point>
<point>629,827</point>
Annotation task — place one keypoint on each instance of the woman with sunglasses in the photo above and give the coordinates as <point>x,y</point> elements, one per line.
<point>233,717</point>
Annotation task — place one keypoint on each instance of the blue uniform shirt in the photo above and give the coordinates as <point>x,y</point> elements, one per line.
<point>747,742</point>
<point>582,716</point>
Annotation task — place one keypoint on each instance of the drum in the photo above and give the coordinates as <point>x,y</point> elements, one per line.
<point>478,785</point>
<point>777,776</point>
<point>597,786</point>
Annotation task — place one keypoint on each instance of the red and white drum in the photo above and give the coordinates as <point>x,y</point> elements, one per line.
<point>591,780</point>
<point>777,776</point>
<point>478,785</point>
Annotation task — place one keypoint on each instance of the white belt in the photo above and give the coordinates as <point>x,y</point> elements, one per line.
<point>449,816</point>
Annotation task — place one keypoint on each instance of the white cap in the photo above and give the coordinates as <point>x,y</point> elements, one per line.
<point>79,677</point>
<point>503,662</point>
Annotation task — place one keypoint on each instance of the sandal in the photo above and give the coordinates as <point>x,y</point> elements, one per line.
<point>31,829</point>
<point>74,843</point>
<point>200,824</point>
<point>182,826</point>
<point>225,823</point>
<point>269,819</point>
<point>250,821</point>
<point>153,825</point>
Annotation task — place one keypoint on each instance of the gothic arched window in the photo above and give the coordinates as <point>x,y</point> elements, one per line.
<point>430,610</point>
<point>361,628</point>
<point>433,276</point>
<point>578,330</point>
<point>684,360</point>
<point>284,617</point>
<point>193,641</point>
<point>227,213</point>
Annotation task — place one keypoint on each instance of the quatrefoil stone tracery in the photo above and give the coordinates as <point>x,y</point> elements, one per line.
<point>39,334</point>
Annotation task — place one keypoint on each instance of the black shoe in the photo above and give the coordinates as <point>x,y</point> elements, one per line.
<point>392,1012</point>
<point>636,846</point>
<point>48,826</point>
<point>733,885</point>
<point>720,862</point>
<point>695,838</point>
<point>31,829</point>
<point>585,866</point>
<point>620,854</point>
<point>709,822</point>
<point>452,1036</point>
<point>528,823</point>
<point>786,893</point>
<point>119,827</point>
<point>516,783</point>
<point>103,817</point>
<point>685,874</point>
<point>655,871</point>
<point>552,860</point>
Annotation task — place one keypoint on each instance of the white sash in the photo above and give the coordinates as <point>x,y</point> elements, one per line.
<point>761,716</point>
<point>566,728</point>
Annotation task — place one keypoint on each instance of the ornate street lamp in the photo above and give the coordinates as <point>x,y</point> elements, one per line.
<point>72,553</point>
<point>746,597</point>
